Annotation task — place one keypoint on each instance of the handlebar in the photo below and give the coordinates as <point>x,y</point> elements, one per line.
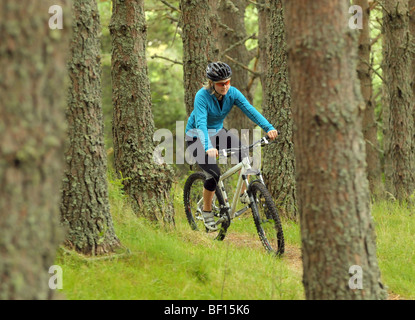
<point>230,151</point>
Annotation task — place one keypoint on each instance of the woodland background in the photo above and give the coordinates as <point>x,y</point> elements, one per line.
<point>342,172</point>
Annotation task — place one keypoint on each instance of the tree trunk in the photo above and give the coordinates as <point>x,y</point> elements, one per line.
<point>32,105</point>
<point>333,195</point>
<point>196,47</point>
<point>364,73</point>
<point>229,25</point>
<point>264,15</point>
<point>279,159</point>
<point>412,31</point>
<point>85,208</point>
<point>146,182</point>
<point>399,155</point>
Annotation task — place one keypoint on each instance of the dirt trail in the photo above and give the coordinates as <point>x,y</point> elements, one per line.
<point>292,254</point>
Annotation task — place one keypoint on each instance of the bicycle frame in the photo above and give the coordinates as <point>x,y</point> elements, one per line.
<point>244,167</point>
<point>264,211</point>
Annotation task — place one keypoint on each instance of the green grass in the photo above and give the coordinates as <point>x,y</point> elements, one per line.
<point>395,229</point>
<point>184,264</point>
<point>177,264</point>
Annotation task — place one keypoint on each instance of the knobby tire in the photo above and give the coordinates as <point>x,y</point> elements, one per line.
<point>266,218</point>
<point>190,209</point>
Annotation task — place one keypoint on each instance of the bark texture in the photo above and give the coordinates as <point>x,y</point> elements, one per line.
<point>279,158</point>
<point>264,16</point>
<point>197,49</point>
<point>412,41</point>
<point>146,182</point>
<point>85,208</point>
<point>399,124</point>
<point>229,30</point>
<point>32,107</point>
<point>364,73</point>
<point>412,31</point>
<point>333,195</point>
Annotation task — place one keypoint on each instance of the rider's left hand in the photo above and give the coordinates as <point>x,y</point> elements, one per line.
<point>273,134</point>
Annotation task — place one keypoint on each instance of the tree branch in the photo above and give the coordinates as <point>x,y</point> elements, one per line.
<point>372,5</point>
<point>155,56</point>
<point>170,5</point>
<point>240,42</point>
<point>220,24</point>
<point>385,8</point>
<point>253,53</point>
<point>243,66</point>
<point>374,40</point>
<point>373,69</point>
<point>170,17</point>
<point>379,22</point>
<point>375,97</point>
<point>374,147</point>
<point>251,82</point>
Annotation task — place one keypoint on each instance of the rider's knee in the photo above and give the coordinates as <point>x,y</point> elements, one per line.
<point>212,178</point>
<point>210,185</point>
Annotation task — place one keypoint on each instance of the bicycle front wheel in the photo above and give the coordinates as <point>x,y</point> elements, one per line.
<point>266,218</point>
<point>193,204</point>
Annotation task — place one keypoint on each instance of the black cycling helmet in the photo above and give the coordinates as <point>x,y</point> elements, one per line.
<point>217,71</point>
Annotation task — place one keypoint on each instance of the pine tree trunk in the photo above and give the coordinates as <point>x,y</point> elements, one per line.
<point>364,73</point>
<point>333,195</point>
<point>231,15</point>
<point>146,182</point>
<point>279,159</point>
<point>399,154</point>
<point>264,15</point>
<point>85,208</point>
<point>32,106</point>
<point>196,47</point>
<point>412,31</point>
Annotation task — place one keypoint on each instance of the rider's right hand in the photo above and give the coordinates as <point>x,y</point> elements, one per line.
<point>213,153</point>
<point>273,134</point>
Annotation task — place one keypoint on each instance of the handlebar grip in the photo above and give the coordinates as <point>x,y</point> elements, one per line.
<point>266,136</point>
<point>278,131</point>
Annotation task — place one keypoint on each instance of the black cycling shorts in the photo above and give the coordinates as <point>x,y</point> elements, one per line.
<point>222,140</point>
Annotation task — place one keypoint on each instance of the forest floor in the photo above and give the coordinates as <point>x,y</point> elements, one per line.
<point>292,254</point>
<point>187,265</point>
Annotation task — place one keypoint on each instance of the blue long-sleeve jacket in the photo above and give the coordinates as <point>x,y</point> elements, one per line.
<point>207,117</point>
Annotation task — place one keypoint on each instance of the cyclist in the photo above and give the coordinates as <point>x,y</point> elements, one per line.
<point>205,131</point>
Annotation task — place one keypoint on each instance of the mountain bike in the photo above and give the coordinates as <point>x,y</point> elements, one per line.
<point>264,211</point>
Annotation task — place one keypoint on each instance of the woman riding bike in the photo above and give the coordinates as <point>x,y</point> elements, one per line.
<point>205,131</point>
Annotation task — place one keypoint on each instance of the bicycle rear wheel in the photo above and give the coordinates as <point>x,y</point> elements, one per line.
<point>266,218</point>
<point>193,204</point>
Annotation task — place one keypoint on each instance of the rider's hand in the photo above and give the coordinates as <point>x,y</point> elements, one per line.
<point>213,153</point>
<point>273,134</point>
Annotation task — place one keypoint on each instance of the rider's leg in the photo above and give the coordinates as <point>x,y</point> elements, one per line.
<point>208,193</point>
<point>207,199</point>
<point>212,173</point>
<point>243,185</point>
<point>210,168</point>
